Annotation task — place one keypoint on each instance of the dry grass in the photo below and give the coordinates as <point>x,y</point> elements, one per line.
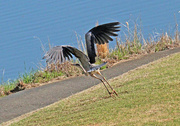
<point>148,95</point>
<point>135,44</point>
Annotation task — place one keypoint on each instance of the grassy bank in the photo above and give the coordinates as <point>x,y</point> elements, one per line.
<point>133,45</point>
<point>148,95</point>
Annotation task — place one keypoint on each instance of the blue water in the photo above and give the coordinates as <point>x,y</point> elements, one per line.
<point>24,25</point>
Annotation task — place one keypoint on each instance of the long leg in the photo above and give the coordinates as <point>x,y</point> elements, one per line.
<point>98,72</point>
<point>93,75</point>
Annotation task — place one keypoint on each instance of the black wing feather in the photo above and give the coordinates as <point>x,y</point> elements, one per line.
<point>100,35</point>
<point>109,29</point>
<point>107,37</point>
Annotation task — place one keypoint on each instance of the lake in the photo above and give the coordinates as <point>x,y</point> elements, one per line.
<point>26,25</point>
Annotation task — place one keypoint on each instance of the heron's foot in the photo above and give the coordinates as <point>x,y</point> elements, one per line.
<point>110,93</point>
<point>114,92</point>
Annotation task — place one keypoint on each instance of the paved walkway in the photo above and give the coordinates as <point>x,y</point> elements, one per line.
<point>26,101</point>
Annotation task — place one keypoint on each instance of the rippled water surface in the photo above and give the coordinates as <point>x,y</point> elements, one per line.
<point>24,25</point>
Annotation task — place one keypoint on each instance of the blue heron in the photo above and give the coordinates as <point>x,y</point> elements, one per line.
<point>100,35</point>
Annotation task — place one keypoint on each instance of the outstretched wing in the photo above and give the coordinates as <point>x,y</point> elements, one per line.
<point>62,53</point>
<point>103,32</point>
<point>100,35</point>
<point>57,54</point>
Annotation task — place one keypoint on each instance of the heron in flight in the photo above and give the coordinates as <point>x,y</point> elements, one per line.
<point>99,35</point>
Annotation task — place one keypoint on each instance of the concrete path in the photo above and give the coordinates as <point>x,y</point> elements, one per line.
<point>26,101</point>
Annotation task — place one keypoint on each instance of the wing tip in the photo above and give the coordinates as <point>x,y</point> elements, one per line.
<point>115,23</point>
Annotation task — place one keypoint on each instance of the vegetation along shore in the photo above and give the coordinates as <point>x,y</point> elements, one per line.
<point>134,45</point>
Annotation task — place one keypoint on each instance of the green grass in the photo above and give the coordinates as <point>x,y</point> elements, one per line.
<point>40,76</point>
<point>149,95</point>
<point>29,78</point>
